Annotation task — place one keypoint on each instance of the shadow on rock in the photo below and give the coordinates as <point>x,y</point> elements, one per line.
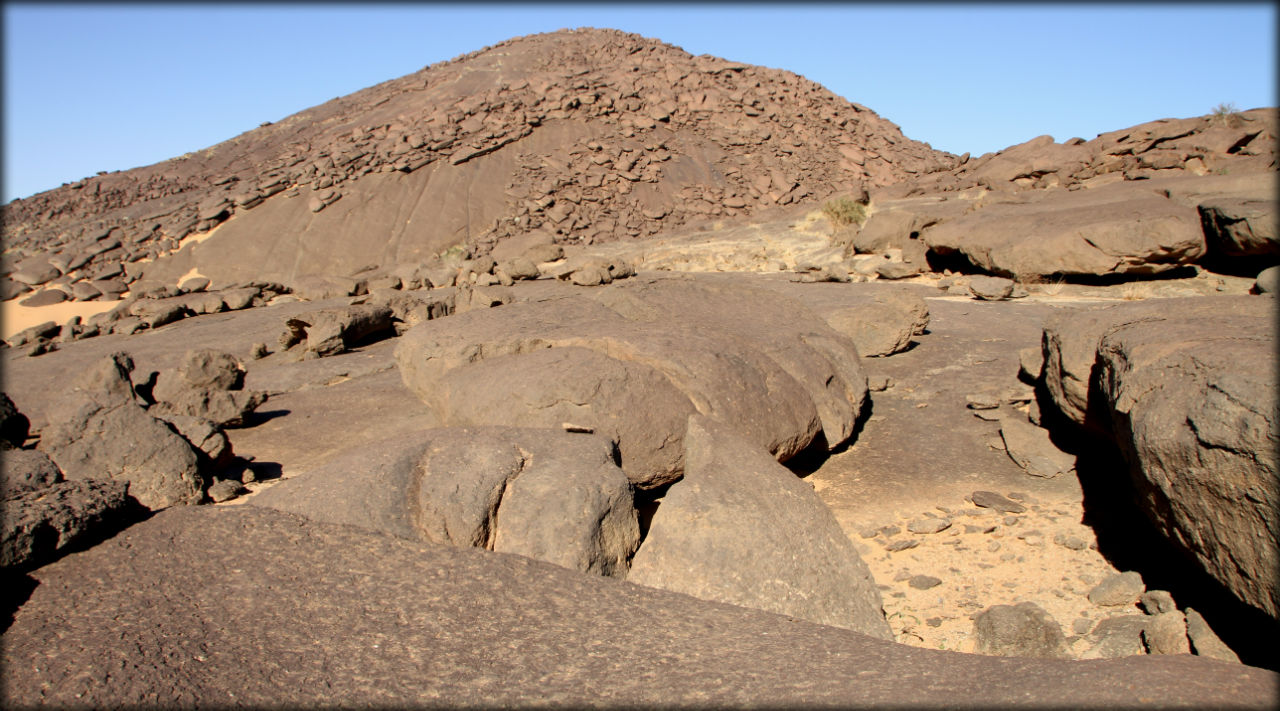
<point>1129,541</point>
<point>16,590</point>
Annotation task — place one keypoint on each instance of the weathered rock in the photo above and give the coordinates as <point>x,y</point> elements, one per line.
<point>542,493</point>
<point>317,287</point>
<point>45,297</point>
<point>82,619</point>
<point>332,331</point>
<point>1205,642</point>
<point>1071,340</point>
<point>1120,229</point>
<point>989,288</point>
<point>739,528</point>
<point>1166,633</point>
<point>23,470</point>
<point>1022,630</point>
<point>1156,602</point>
<point>225,408</point>
<point>203,369</point>
<point>34,272</point>
<point>1030,447</point>
<point>992,500</point>
<point>924,582</point>
<point>159,312</point>
<point>205,436</point>
<point>40,523</point>
<point>1193,401</point>
<point>631,403</point>
<point>99,430</point>
<point>1119,636</point>
<point>225,490</point>
<point>1118,589</point>
<point>929,525</point>
<point>886,325</point>
<point>724,349</point>
<point>13,424</point>
<point>1240,227</point>
<point>1030,363</point>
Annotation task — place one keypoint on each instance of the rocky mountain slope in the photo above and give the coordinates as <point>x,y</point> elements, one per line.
<point>592,135</point>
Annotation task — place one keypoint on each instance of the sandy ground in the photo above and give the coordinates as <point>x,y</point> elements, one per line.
<point>15,317</point>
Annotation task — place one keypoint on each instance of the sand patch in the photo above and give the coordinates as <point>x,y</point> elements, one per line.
<point>17,318</point>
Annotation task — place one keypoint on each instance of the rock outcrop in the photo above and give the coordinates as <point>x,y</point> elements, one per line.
<point>546,494</point>
<point>1189,394</point>
<point>634,361</point>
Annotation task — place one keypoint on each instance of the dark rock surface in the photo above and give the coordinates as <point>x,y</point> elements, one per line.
<point>39,523</point>
<point>273,610</point>
<point>1193,398</point>
<point>740,528</point>
<point>100,430</point>
<point>23,470</point>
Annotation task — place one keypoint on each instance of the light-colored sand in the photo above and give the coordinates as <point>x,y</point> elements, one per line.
<point>17,318</point>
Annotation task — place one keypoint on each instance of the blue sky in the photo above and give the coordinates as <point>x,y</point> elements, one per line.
<point>111,87</point>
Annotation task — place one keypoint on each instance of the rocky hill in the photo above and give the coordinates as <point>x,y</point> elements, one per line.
<point>590,135</point>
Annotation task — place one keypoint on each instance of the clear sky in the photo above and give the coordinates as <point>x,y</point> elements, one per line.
<point>115,86</point>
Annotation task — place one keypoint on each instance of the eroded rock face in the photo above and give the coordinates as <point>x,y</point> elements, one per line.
<point>542,493</point>
<point>1121,229</point>
<point>1187,389</point>
<point>633,359</point>
<point>1193,399</point>
<point>100,430</point>
<point>740,528</point>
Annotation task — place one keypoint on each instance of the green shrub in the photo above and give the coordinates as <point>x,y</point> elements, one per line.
<point>1226,113</point>
<point>842,211</point>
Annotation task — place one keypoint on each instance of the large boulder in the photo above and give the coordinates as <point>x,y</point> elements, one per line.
<point>742,529</point>
<point>100,430</point>
<point>1193,402</point>
<point>1120,229</point>
<point>1070,346</point>
<point>542,493</point>
<point>763,363</point>
<point>208,385</point>
<point>885,325</point>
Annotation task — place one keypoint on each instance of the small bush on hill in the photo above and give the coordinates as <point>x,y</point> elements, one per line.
<point>843,211</point>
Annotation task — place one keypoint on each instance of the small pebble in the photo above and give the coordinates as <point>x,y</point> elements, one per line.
<point>1082,625</point>
<point>869,532</point>
<point>929,525</point>
<point>890,530</point>
<point>934,622</point>
<point>1010,520</point>
<point>924,582</point>
<point>901,575</point>
<point>1074,543</point>
<point>993,546</point>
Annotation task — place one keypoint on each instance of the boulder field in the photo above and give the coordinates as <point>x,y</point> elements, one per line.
<point>715,389</point>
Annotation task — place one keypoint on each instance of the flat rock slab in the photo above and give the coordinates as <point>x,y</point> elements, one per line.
<point>273,610</point>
